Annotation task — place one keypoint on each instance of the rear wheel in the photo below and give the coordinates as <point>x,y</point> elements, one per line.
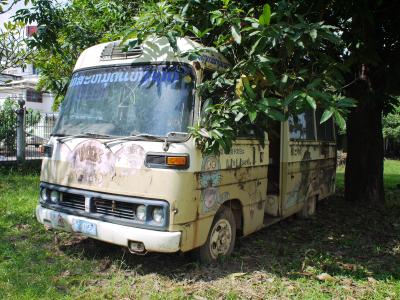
<point>221,238</point>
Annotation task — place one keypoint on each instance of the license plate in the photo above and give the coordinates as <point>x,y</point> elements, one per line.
<point>84,227</point>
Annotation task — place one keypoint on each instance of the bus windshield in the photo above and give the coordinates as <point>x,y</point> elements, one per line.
<point>128,100</point>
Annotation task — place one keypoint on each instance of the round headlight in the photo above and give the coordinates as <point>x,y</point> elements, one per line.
<point>54,196</point>
<point>158,214</point>
<point>141,212</point>
<point>44,195</point>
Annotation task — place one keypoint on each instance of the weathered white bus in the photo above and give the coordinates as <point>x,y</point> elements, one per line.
<point>121,167</point>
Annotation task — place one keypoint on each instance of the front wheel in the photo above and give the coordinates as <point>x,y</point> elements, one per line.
<point>221,238</point>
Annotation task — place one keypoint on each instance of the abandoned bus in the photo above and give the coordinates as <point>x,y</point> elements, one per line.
<point>121,167</point>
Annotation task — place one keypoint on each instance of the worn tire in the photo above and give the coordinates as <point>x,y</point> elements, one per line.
<point>207,252</point>
<point>309,208</point>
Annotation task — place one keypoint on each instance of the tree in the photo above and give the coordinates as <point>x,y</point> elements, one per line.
<point>391,130</point>
<point>280,62</point>
<point>64,31</point>
<point>285,57</point>
<point>13,46</point>
<point>371,50</point>
<point>8,117</point>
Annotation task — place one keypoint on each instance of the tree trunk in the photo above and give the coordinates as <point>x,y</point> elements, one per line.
<point>364,166</point>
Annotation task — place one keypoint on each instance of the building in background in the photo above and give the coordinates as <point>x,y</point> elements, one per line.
<point>20,83</point>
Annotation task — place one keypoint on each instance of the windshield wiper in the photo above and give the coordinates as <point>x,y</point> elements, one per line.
<point>171,137</point>
<point>136,137</point>
<point>84,135</point>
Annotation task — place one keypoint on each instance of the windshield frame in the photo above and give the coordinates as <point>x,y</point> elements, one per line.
<point>194,97</point>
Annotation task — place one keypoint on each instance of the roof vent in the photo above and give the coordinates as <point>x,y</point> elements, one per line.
<point>113,51</point>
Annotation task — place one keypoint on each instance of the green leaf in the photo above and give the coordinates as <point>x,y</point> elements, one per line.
<point>172,40</point>
<point>270,102</point>
<point>255,45</point>
<point>313,34</point>
<point>310,100</point>
<point>239,116</point>
<point>265,18</point>
<point>276,115</point>
<point>340,120</point>
<point>346,102</point>
<point>252,116</point>
<point>326,115</point>
<point>290,98</point>
<point>185,9</point>
<point>315,83</point>
<point>249,90</point>
<point>236,34</point>
<point>196,31</point>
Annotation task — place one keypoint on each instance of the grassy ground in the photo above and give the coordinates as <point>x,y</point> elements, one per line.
<point>347,251</point>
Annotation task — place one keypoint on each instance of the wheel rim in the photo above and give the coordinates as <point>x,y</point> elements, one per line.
<point>221,238</point>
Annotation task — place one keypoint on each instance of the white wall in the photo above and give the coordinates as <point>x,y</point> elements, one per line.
<point>16,93</point>
<point>45,106</point>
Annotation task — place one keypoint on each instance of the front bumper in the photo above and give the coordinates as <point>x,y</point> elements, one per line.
<point>154,241</point>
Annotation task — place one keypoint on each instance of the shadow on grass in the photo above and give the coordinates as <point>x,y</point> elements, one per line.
<point>343,239</point>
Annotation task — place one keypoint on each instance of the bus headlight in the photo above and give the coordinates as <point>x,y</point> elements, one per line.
<point>54,196</point>
<point>158,214</point>
<point>141,213</point>
<point>44,196</point>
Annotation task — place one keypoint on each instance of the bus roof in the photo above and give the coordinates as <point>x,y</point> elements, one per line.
<point>152,50</point>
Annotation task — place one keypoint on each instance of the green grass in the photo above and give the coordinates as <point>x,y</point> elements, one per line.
<point>357,245</point>
<point>391,171</point>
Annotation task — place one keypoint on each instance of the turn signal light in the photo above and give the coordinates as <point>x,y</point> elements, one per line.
<point>177,161</point>
<point>164,160</point>
<point>46,150</point>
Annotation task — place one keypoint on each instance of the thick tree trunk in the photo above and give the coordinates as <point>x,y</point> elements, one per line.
<point>364,166</point>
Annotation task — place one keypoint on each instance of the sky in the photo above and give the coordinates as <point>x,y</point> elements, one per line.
<point>7,16</point>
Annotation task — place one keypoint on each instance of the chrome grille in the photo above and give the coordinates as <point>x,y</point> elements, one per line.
<point>114,208</point>
<point>73,201</point>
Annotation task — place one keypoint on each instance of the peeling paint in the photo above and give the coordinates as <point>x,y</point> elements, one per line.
<point>92,163</point>
<point>130,158</point>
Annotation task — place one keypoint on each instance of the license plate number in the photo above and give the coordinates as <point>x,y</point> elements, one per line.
<point>84,227</point>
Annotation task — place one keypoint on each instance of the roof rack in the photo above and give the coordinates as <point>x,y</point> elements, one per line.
<point>114,51</point>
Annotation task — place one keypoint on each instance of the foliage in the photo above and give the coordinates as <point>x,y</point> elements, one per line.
<point>391,123</point>
<point>8,126</point>
<point>280,63</point>
<point>64,31</point>
<point>13,49</point>
<point>7,5</point>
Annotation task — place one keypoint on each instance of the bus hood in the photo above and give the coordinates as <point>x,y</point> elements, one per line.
<point>118,168</point>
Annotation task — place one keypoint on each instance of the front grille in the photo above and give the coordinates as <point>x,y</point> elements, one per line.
<point>73,201</point>
<point>114,208</point>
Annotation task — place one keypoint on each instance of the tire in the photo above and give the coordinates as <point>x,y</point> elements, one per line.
<point>309,208</point>
<point>221,238</point>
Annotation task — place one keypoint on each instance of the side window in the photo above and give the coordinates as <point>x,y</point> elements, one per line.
<point>324,130</point>
<point>301,126</point>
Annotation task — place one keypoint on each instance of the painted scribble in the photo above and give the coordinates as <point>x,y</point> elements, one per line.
<point>92,163</point>
<point>210,179</point>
